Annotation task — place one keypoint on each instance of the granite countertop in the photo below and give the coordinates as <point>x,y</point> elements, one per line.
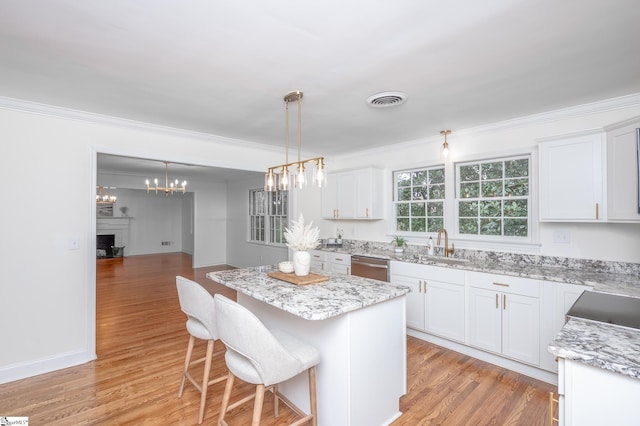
<point>606,282</point>
<point>598,344</point>
<point>339,295</point>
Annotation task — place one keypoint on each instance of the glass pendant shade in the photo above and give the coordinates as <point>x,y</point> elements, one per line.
<point>301,176</point>
<point>319,174</point>
<point>284,179</point>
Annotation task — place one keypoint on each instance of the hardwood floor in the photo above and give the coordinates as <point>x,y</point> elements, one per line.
<point>142,340</point>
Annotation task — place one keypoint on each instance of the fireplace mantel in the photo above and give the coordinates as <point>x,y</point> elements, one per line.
<point>118,226</point>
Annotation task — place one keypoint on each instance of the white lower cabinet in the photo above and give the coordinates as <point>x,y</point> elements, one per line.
<point>504,315</point>
<point>339,262</point>
<point>436,303</point>
<point>318,261</point>
<point>325,261</point>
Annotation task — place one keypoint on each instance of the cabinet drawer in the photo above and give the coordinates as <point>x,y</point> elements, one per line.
<point>339,258</point>
<point>505,284</point>
<point>318,256</point>
<point>428,272</point>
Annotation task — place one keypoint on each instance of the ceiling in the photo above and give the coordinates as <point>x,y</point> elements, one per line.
<point>223,67</point>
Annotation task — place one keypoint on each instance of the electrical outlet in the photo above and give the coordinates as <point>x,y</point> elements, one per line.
<point>165,243</point>
<point>561,237</point>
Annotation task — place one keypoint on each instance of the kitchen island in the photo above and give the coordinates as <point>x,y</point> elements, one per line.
<point>357,324</point>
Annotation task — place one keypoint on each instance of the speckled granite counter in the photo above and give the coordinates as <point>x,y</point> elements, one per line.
<point>341,294</point>
<point>606,346</point>
<point>607,280</point>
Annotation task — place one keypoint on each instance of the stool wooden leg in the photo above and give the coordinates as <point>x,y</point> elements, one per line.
<point>225,398</point>
<point>205,380</point>
<point>312,395</point>
<point>187,361</point>
<point>276,406</point>
<point>257,406</point>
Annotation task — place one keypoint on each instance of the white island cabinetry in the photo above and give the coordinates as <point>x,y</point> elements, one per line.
<point>357,324</point>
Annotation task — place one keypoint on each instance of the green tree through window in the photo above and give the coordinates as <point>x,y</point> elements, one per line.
<point>419,199</point>
<point>493,197</point>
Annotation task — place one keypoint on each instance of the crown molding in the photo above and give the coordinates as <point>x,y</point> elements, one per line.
<point>90,117</point>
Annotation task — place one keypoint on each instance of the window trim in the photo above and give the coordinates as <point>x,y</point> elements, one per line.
<point>532,244</point>
<point>500,241</point>
<point>395,201</point>
<point>267,218</point>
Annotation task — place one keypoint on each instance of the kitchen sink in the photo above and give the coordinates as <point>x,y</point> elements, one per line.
<point>442,260</point>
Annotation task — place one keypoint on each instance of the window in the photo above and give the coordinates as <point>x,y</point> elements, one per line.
<point>419,199</point>
<point>493,197</point>
<point>268,212</point>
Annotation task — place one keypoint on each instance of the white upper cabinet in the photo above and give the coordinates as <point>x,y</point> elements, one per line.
<point>355,194</point>
<point>622,174</point>
<point>571,175</point>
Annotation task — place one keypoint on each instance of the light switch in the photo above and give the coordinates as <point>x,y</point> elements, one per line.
<point>74,244</point>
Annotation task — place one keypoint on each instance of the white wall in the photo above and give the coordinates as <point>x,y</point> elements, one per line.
<point>48,288</point>
<point>241,252</point>
<point>609,242</point>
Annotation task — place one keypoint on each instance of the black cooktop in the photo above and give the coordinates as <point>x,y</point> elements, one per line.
<point>607,308</point>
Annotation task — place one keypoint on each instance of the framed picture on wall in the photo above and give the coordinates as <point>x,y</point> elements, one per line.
<point>105,210</point>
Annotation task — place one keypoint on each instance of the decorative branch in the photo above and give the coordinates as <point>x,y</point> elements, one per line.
<point>300,237</point>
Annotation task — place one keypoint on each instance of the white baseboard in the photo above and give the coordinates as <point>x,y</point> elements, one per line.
<point>527,370</point>
<point>44,365</point>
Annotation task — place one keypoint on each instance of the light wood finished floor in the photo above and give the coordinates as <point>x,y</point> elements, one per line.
<point>141,343</point>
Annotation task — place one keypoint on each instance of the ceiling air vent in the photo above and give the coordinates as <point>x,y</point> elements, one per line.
<point>386,99</point>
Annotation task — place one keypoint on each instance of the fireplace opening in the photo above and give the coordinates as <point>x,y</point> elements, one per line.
<point>104,244</point>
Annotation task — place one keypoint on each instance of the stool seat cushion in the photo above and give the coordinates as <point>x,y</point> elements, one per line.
<point>306,355</point>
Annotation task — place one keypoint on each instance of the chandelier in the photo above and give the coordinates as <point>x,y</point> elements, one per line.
<point>279,177</point>
<point>103,197</point>
<point>169,187</point>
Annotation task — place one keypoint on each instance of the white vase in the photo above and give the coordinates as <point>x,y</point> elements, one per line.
<point>301,263</point>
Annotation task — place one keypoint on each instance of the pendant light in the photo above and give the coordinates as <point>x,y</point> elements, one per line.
<point>445,145</point>
<point>283,181</point>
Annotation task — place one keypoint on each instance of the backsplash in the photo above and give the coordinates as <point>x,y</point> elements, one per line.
<point>627,268</point>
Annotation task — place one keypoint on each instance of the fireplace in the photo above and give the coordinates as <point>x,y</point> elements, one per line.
<point>112,235</point>
<point>104,244</point>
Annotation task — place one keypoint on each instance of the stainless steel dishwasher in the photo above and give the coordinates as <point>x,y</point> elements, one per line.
<point>370,267</point>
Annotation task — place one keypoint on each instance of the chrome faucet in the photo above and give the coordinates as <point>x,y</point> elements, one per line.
<point>447,250</point>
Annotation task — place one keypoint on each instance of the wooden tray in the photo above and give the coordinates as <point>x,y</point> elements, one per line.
<point>297,280</point>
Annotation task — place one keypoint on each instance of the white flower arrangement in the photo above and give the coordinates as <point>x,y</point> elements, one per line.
<point>300,237</point>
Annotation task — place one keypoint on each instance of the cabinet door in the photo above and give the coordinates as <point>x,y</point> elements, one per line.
<point>318,261</point>
<point>622,175</point>
<point>414,300</point>
<point>345,195</point>
<point>521,327</point>
<point>485,319</point>
<point>369,203</point>
<point>445,309</point>
<point>571,179</point>
<point>329,194</point>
